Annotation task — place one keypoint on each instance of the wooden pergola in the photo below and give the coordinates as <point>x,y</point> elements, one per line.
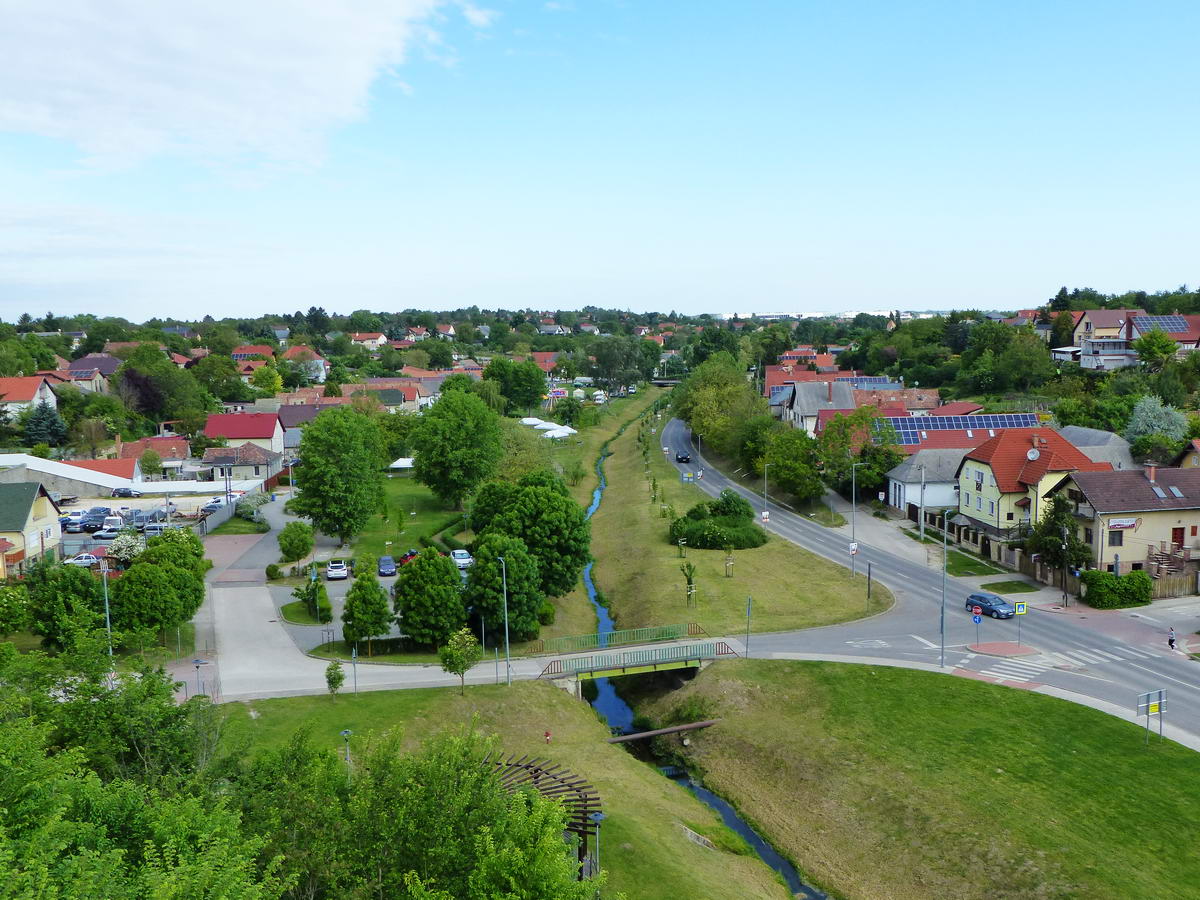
<point>553,782</point>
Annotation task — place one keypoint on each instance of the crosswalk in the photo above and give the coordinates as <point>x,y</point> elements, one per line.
<point>1029,669</point>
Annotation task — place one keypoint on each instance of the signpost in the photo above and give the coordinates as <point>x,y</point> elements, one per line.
<point>1020,606</point>
<point>1153,703</point>
<point>977,617</point>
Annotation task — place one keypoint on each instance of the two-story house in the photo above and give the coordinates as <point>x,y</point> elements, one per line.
<point>242,463</point>
<point>1102,323</point>
<point>262,429</point>
<point>372,340</point>
<point>247,351</point>
<point>1004,482</point>
<point>313,365</point>
<point>28,525</point>
<point>21,392</point>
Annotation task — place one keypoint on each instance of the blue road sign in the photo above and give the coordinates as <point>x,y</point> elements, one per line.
<point>977,619</point>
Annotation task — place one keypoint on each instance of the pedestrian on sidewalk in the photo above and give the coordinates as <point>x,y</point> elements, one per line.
<point>1171,637</point>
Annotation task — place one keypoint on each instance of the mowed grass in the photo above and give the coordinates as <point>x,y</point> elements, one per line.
<point>1009,587</point>
<point>961,564</point>
<point>639,572</point>
<point>236,525</point>
<point>586,448</point>
<point>644,848</point>
<point>890,784</point>
<point>412,512</point>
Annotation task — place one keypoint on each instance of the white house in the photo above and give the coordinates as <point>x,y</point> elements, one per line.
<point>21,392</point>
<point>937,469</point>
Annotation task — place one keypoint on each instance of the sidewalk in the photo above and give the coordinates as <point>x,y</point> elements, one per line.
<point>882,533</point>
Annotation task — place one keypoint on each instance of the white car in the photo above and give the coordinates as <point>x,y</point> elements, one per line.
<point>462,558</point>
<point>336,570</point>
<point>82,559</point>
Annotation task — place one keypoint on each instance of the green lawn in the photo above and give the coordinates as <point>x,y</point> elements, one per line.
<point>236,525</point>
<point>910,785</point>
<point>817,510</point>
<point>297,613</point>
<point>412,512</point>
<point>960,564</point>
<point>638,570</point>
<point>820,512</point>
<point>1009,587</point>
<point>644,849</point>
<point>382,652</point>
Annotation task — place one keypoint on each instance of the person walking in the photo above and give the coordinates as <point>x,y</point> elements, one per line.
<point>1171,637</point>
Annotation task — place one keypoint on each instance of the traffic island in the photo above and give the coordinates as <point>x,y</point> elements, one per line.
<point>1002,648</point>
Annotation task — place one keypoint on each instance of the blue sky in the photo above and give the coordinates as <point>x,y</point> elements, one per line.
<point>234,159</point>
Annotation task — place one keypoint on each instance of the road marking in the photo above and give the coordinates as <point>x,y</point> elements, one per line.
<point>930,644</point>
<point>868,645</point>
<point>1140,654</point>
<point>1022,666</point>
<point>1160,675</point>
<point>1106,653</point>
<point>1083,656</point>
<point>1146,617</point>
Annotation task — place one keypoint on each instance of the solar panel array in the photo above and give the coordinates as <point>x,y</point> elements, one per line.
<point>865,381</point>
<point>909,428</point>
<point>1169,324</point>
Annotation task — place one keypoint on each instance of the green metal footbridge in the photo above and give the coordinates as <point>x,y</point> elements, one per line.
<point>634,662</point>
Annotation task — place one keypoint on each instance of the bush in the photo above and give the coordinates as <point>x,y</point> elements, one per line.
<point>273,572</point>
<point>324,608</point>
<point>1108,591</point>
<point>295,541</point>
<point>718,524</point>
<point>546,613</point>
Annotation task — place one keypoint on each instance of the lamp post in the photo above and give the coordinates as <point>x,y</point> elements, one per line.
<point>346,732</point>
<point>597,818</point>
<point>699,452</point>
<point>766,496</point>
<point>107,617</point>
<point>922,504</point>
<point>942,623</point>
<point>504,582</point>
<point>198,663</point>
<point>853,509</point>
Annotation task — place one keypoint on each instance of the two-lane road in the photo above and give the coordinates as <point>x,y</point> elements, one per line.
<point>1072,656</point>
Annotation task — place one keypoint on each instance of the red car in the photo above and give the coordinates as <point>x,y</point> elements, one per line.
<point>408,557</point>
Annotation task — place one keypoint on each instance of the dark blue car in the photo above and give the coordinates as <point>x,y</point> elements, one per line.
<point>387,565</point>
<point>992,605</point>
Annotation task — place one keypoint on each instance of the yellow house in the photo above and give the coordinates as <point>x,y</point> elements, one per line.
<point>1141,518</point>
<point>29,523</point>
<point>1189,458</point>
<point>1004,482</point>
<point>1102,323</point>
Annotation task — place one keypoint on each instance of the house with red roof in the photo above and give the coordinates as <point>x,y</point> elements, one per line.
<point>546,360</point>
<point>445,332</point>
<point>261,429</point>
<point>1005,481</point>
<point>372,340</point>
<point>172,451</point>
<point>119,468</point>
<point>1102,323</point>
<point>246,351</point>
<point>418,333</point>
<point>23,391</point>
<point>309,360</point>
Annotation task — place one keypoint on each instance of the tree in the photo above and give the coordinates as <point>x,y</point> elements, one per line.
<point>1063,332</point>
<point>489,501</point>
<point>295,541</point>
<point>459,655</point>
<point>428,599</point>
<point>459,381</point>
<point>1027,361</point>
<point>126,547</point>
<point>1155,349</point>
<point>151,463</point>
<point>527,386</point>
<point>15,614</point>
<point>64,603</point>
<point>440,354</point>
<point>90,435</point>
<point>1047,536</point>
<point>335,677</point>
<point>857,437</point>
<point>448,464</point>
<point>567,410</point>
<point>45,426</point>
<point>792,458</point>
<point>267,379</point>
<point>366,613</point>
<point>145,599</point>
<point>1152,416</point>
<point>339,484</point>
<point>485,586</point>
<point>555,531</point>
<point>218,374</point>
<point>332,389</point>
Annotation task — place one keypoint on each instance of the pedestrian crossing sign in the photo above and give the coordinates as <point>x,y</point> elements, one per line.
<point>1020,606</point>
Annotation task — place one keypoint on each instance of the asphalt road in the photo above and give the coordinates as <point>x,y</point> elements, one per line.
<point>1110,659</point>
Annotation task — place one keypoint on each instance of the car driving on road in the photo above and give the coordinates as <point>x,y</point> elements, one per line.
<point>683,456</point>
<point>336,570</point>
<point>992,605</point>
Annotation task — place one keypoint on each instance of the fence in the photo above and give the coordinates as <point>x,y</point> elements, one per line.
<point>630,659</point>
<point>580,642</point>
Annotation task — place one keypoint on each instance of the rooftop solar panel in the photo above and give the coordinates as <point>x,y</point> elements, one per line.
<point>1170,324</point>
<point>908,428</point>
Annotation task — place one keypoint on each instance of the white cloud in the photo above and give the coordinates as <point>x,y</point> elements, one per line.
<point>477,16</point>
<point>125,79</point>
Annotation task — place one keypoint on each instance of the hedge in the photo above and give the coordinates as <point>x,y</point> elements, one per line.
<point>1108,591</point>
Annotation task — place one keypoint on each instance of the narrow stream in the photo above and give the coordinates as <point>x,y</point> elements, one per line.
<point>619,716</point>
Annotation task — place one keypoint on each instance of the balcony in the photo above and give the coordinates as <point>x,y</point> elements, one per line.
<point>1084,510</point>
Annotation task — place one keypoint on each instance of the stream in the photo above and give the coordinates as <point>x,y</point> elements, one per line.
<point>619,716</point>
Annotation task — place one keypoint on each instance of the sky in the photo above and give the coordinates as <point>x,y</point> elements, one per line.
<point>233,158</point>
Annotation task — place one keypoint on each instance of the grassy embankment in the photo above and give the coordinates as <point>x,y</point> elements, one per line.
<point>817,510</point>
<point>638,570</point>
<point>406,496</point>
<point>236,525</point>
<point>891,784</point>
<point>644,848</point>
<point>1009,587</point>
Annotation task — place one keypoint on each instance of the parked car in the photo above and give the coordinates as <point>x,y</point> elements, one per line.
<point>74,516</point>
<point>82,559</point>
<point>462,559</point>
<point>336,570</point>
<point>683,457</point>
<point>409,557</point>
<point>387,565</point>
<point>156,528</point>
<point>992,605</point>
<point>126,492</point>
<point>105,534</point>
<point>75,526</point>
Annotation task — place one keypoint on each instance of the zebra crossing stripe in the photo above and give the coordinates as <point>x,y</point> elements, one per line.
<point>1085,657</point>
<point>1021,666</point>
<point>1106,653</point>
<point>1065,660</point>
<point>1140,654</point>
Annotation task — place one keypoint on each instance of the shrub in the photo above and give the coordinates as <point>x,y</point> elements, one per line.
<point>273,572</point>
<point>546,613</point>
<point>1108,591</point>
<point>295,541</point>
<point>732,505</point>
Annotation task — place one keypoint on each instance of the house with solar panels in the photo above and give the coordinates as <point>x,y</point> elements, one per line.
<point>1004,484</point>
<point>1107,353</point>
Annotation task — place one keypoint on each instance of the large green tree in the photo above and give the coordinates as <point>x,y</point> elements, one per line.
<point>340,486</point>
<point>64,603</point>
<point>857,438</point>
<point>366,613</point>
<point>456,446</point>
<point>428,598</point>
<point>555,531</point>
<point>45,426</point>
<point>145,598</point>
<point>486,580</point>
<point>1155,349</point>
<point>794,465</point>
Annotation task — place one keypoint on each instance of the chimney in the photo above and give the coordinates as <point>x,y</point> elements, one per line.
<point>1151,471</point>
<point>117,446</point>
<point>830,390</point>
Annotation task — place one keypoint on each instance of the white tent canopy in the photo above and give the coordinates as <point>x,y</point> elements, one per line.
<point>568,429</point>
<point>557,433</point>
<point>404,462</point>
<point>548,426</point>
<point>530,420</point>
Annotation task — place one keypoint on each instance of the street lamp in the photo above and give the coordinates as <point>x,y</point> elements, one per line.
<point>198,663</point>
<point>766,496</point>
<point>507,655</point>
<point>699,452</point>
<point>597,818</point>
<point>346,737</point>
<point>854,508</point>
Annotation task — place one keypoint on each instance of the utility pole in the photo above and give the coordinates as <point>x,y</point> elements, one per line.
<point>945,552</point>
<point>922,504</point>
<point>1064,564</point>
<point>504,581</point>
<point>853,510</point>
<point>766,497</point>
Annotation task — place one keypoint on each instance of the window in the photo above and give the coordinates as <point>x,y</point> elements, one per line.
<point>978,502</point>
<point>256,470</point>
<point>1010,517</point>
<point>1116,539</point>
<point>967,500</point>
<point>1087,536</point>
<point>991,508</point>
<point>1193,531</point>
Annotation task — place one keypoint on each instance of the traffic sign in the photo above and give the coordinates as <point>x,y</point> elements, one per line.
<point>1020,607</point>
<point>853,548</point>
<point>977,619</point>
<point>978,610</point>
<point>766,516</point>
